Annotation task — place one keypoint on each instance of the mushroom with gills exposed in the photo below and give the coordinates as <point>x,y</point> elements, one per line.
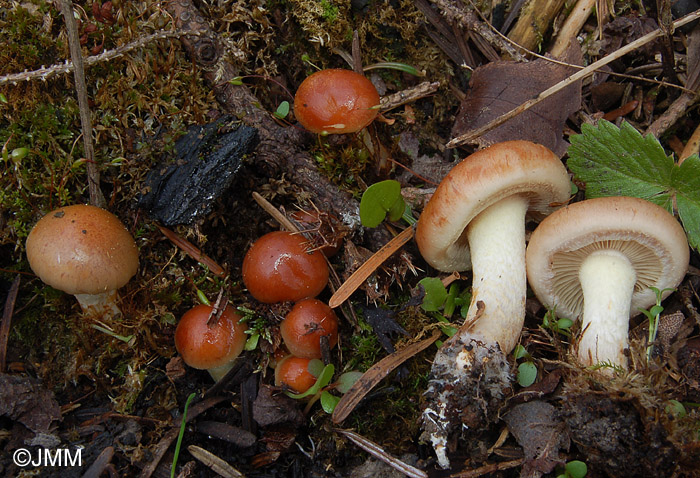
<point>209,343</point>
<point>476,219</point>
<point>598,260</point>
<point>85,251</point>
<point>336,101</point>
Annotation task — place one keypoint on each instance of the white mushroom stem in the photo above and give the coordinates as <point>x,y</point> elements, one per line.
<point>99,305</point>
<point>497,244</point>
<point>607,280</point>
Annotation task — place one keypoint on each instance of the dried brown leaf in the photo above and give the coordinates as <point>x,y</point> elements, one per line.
<point>25,400</point>
<point>498,87</point>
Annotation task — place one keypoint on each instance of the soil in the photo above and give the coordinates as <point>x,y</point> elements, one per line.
<point>194,92</point>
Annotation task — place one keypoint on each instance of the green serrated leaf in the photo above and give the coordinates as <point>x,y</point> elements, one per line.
<point>527,374</point>
<point>435,294</point>
<point>614,161</point>
<point>378,200</point>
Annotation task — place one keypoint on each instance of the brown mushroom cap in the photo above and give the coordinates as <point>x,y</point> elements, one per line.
<point>504,169</point>
<point>649,236</point>
<point>82,249</point>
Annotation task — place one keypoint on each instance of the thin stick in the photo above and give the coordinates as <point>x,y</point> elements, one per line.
<point>7,320</point>
<point>274,212</point>
<point>96,196</point>
<point>470,136</point>
<point>366,269</point>
<point>379,453</point>
<point>572,25</point>
<point>193,251</point>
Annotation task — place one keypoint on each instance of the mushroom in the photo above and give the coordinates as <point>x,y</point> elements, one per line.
<point>209,344</point>
<point>598,260</point>
<point>336,101</point>
<point>278,268</point>
<point>293,372</point>
<point>476,218</point>
<point>305,325</point>
<point>85,251</point>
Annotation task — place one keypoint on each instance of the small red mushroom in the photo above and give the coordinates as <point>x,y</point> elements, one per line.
<point>212,347</point>
<point>293,373</point>
<point>278,268</point>
<point>305,324</point>
<point>336,101</point>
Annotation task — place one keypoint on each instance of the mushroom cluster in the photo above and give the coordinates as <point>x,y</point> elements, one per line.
<point>85,251</point>
<point>599,260</point>
<point>278,267</point>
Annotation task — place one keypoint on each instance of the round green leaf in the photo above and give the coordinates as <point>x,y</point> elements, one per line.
<point>527,374</point>
<point>576,469</point>
<point>379,199</point>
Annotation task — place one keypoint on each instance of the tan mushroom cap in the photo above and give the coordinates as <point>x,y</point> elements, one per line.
<point>504,169</point>
<point>649,236</point>
<point>82,249</point>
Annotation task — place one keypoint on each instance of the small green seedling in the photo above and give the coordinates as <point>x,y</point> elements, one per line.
<point>527,370</point>
<point>573,469</point>
<point>181,434</point>
<point>558,326</point>
<point>282,110</point>
<point>321,389</point>
<point>676,408</point>
<point>653,315</point>
<point>382,200</point>
<point>257,327</point>
<point>439,298</point>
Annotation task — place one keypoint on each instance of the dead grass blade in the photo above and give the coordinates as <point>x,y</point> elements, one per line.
<point>375,374</point>
<point>212,461</point>
<point>366,269</point>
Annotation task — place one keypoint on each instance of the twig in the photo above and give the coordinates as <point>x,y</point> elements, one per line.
<point>366,269</point>
<point>409,95</point>
<point>7,320</point>
<point>379,453</point>
<point>487,469</point>
<point>96,196</point>
<point>470,136</point>
<point>192,251</point>
<point>572,25</point>
<point>375,374</point>
<point>44,73</point>
<point>218,465</point>
<point>274,213</point>
<point>100,463</point>
<point>691,147</point>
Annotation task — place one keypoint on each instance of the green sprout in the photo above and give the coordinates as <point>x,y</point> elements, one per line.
<point>439,298</point>
<point>653,315</point>
<point>558,326</point>
<point>527,370</point>
<point>382,200</point>
<point>282,110</point>
<point>321,389</point>
<point>573,469</point>
<point>181,434</point>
